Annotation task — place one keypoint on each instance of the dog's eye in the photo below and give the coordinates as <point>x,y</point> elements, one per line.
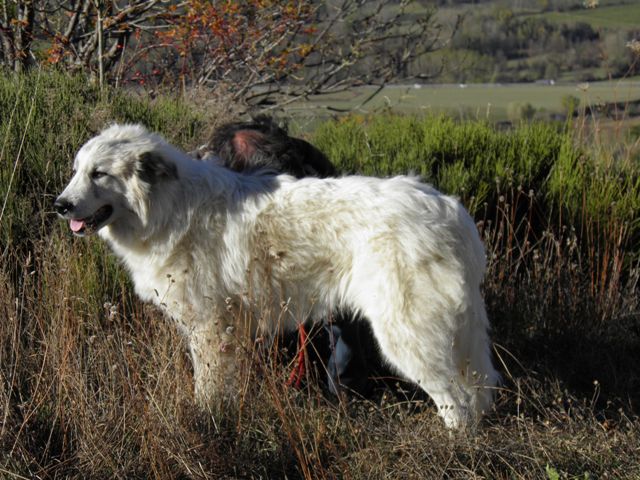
<point>96,174</point>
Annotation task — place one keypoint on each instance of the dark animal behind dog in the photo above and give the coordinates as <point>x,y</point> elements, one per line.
<point>261,144</point>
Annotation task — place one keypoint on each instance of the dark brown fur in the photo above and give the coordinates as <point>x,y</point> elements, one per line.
<point>262,144</point>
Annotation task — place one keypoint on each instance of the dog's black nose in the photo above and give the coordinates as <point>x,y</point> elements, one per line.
<point>63,206</point>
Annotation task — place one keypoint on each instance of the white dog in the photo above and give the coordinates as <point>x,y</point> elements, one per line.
<point>216,249</point>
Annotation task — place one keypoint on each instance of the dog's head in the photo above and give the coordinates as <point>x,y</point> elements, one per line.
<point>262,144</point>
<point>114,174</point>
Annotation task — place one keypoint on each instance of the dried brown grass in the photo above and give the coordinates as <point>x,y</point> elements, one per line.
<point>95,384</point>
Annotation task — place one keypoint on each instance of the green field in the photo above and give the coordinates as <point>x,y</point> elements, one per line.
<point>473,101</point>
<point>609,17</point>
<point>613,14</point>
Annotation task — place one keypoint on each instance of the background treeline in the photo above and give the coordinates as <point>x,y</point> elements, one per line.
<point>530,41</point>
<point>95,384</point>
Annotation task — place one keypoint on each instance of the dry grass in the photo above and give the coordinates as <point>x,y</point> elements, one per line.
<point>93,384</point>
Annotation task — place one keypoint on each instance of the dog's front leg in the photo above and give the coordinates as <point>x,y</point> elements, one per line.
<point>214,356</point>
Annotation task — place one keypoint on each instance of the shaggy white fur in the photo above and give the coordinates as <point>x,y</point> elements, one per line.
<point>216,249</point>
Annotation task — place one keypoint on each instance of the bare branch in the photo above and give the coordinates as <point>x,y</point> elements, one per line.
<point>257,52</point>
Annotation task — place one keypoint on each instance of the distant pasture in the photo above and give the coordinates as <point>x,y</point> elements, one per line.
<point>476,101</point>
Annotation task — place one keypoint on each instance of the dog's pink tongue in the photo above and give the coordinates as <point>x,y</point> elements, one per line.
<point>76,225</point>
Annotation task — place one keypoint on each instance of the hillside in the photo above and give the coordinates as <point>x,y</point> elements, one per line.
<point>526,41</point>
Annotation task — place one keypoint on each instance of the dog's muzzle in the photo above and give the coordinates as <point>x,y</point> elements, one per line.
<point>83,226</point>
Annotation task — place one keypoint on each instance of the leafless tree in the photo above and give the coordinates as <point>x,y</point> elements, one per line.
<point>16,34</point>
<point>330,46</point>
<point>89,35</point>
<point>257,51</point>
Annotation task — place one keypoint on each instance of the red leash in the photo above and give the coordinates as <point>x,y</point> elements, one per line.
<point>298,371</point>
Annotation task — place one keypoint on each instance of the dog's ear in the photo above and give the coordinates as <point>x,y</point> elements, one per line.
<point>153,168</point>
<point>244,146</point>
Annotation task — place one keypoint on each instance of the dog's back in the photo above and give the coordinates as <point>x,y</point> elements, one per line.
<point>316,231</point>
<point>406,257</point>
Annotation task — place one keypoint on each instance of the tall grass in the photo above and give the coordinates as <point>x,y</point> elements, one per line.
<point>475,161</point>
<point>45,117</point>
<point>94,384</point>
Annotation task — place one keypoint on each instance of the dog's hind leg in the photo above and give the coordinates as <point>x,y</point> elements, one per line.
<point>416,321</point>
<point>472,355</point>
<point>447,356</point>
<point>429,364</point>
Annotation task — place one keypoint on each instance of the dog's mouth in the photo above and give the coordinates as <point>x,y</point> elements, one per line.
<point>90,225</point>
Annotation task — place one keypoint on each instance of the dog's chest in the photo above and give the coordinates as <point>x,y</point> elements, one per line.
<point>167,285</point>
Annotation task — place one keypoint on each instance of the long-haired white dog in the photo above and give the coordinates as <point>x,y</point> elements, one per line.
<point>207,245</point>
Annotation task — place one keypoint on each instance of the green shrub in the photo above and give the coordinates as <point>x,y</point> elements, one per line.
<point>479,162</point>
<point>517,111</point>
<point>570,104</point>
<point>46,117</point>
<point>473,159</point>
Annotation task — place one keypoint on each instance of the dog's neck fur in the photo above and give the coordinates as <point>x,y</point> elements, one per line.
<point>197,206</point>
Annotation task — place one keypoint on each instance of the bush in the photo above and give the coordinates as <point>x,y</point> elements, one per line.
<point>46,117</point>
<point>517,111</point>
<point>471,159</point>
<point>478,162</point>
<point>570,104</point>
